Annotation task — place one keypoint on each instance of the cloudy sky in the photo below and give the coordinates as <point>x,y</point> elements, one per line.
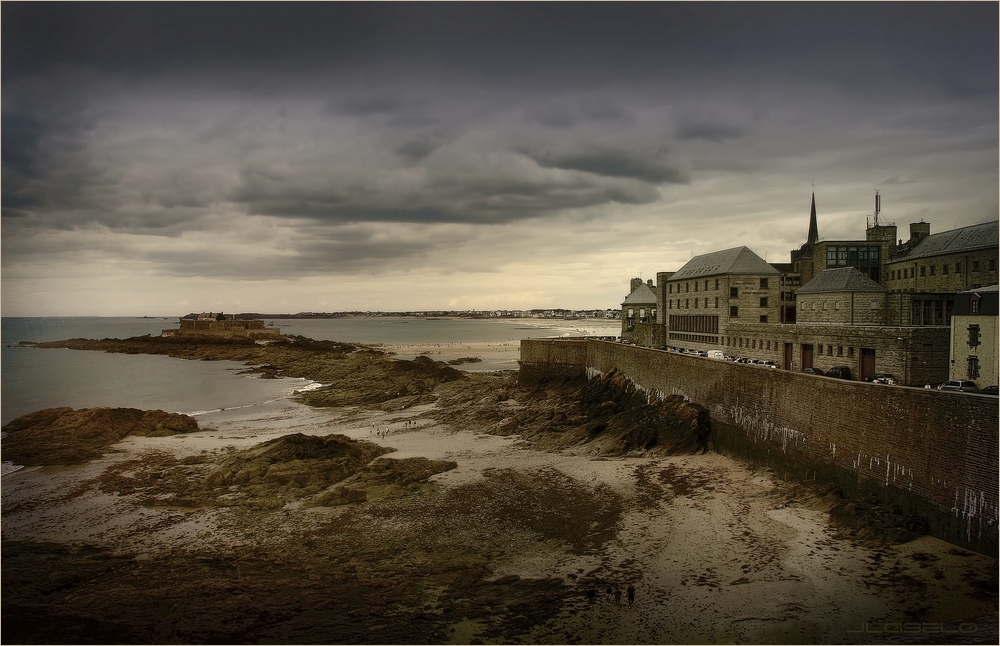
<point>160,159</point>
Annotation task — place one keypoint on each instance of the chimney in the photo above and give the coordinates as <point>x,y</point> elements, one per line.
<point>919,231</point>
<point>634,284</point>
<point>649,282</point>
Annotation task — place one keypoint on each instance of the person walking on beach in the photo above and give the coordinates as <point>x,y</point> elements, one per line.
<point>630,594</point>
<point>607,596</point>
<point>618,596</point>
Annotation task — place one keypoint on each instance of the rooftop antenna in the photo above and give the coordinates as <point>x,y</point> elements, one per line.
<point>878,206</point>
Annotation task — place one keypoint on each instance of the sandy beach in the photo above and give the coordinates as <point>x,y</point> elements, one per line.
<point>499,549</point>
<point>491,356</point>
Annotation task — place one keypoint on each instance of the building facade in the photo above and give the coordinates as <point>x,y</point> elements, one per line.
<point>877,305</point>
<point>711,290</point>
<point>974,336</point>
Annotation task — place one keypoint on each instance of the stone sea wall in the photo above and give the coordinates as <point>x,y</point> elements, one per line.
<point>934,455</point>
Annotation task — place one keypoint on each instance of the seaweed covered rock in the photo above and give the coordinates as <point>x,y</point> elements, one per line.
<point>66,436</point>
<point>384,478</point>
<point>607,415</point>
<point>382,380</point>
<point>268,475</point>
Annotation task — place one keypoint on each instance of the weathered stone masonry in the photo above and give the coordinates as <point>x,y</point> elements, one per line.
<point>933,454</point>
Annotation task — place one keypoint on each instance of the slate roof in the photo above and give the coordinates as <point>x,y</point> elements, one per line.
<point>982,290</point>
<point>738,260</point>
<point>843,279</point>
<point>971,238</point>
<point>643,295</point>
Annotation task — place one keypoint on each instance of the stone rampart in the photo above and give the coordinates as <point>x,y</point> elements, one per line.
<point>932,454</point>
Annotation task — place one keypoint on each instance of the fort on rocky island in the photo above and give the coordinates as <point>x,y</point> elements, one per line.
<point>210,325</point>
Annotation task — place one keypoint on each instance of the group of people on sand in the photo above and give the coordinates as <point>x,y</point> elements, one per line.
<point>613,593</point>
<point>382,432</point>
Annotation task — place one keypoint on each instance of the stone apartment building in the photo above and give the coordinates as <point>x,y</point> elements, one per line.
<point>875,305</point>
<point>974,336</point>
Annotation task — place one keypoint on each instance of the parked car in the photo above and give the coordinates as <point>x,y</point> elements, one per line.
<point>959,385</point>
<point>839,372</point>
<point>812,371</point>
<point>989,390</point>
<point>769,364</point>
<point>884,378</point>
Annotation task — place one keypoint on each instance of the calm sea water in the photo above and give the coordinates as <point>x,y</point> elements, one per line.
<point>34,378</point>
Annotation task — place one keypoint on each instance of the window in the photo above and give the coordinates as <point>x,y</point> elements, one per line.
<point>923,271</point>
<point>670,289</point>
<point>696,300</point>
<point>734,292</point>
<point>840,350</point>
<point>696,285</point>
<point>850,351</point>
<point>706,285</point>
<point>892,274</point>
<point>763,283</point>
<point>974,305</point>
<point>687,303</point>
<point>933,268</point>
<point>973,370</point>
<point>687,287</point>
<point>991,264</point>
<point>944,268</point>
<point>829,349</point>
<point>763,301</point>
<point>975,265</point>
<point>670,304</point>
<point>958,267</point>
<point>734,311</point>
<point>717,283</point>
<point>763,318</point>
<point>716,302</point>
<point>706,301</point>
<point>820,349</point>
<point>973,336</point>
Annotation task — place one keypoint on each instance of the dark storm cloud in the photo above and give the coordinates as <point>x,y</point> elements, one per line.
<point>307,138</point>
<point>708,131</point>
<point>640,165</point>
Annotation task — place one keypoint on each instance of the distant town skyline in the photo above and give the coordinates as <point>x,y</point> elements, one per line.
<point>167,158</point>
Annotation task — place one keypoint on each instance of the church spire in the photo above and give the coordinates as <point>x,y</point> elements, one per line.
<point>813,237</point>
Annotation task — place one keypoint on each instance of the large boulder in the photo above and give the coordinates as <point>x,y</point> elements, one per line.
<point>66,436</point>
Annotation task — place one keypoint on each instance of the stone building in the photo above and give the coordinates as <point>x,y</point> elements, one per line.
<point>974,336</point>
<point>929,270</point>
<point>841,297</point>
<point>639,309</point>
<point>876,305</point>
<point>699,300</point>
<point>207,326</point>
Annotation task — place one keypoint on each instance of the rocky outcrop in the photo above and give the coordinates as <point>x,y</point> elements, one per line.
<point>66,436</point>
<point>384,478</point>
<point>606,416</point>
<point>326,470</point>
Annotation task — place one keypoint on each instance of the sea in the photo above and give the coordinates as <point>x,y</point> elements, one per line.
<point>36,378</point>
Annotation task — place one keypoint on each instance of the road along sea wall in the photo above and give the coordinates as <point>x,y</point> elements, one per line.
<point>927,454</point>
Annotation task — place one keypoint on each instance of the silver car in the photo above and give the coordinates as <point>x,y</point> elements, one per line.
<point>959,385</point>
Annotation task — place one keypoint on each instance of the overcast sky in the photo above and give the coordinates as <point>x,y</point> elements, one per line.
<point>160,159</point>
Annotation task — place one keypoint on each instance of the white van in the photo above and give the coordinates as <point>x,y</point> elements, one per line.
<point>716,354</point>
